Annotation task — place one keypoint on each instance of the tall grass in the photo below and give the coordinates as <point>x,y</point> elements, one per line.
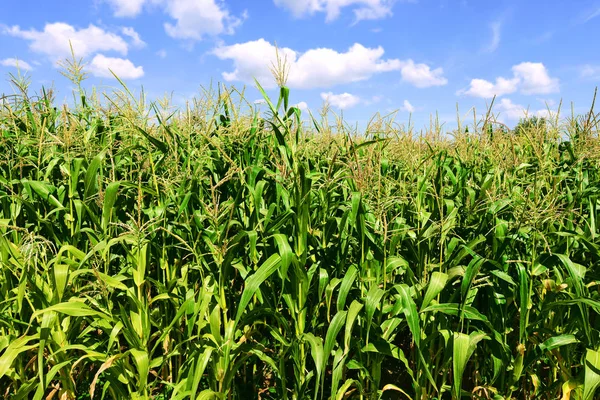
<point>222,253</point>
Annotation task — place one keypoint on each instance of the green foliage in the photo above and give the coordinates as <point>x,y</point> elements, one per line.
<point>218,253</point>
<point>527,124</point>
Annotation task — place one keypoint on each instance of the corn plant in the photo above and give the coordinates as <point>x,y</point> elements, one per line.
<point>226,252</point>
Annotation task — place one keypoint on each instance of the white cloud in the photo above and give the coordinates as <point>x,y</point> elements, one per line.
<point>194,19</point>
<point>591,15</point>
<point>363,9</point>
<point>590,71</point>
<point>302,106</point>
<point>486,89</point>
<point>496,28</point>
<point>198,18</point>
<point>341,101</point>
<point>512,112</point>
<point>421,75</point>
<point>535,78</point>
<point>252,60</point>
<point>126,8</point>
<point>301,7</point>
<point>13,62</point>
<point>528,78</point>
<point>406,106</point>
<point>373,9</point>
<point>135,37</point>
<point>101,66</point>
<point>321,67</point>
<point>54,40</point>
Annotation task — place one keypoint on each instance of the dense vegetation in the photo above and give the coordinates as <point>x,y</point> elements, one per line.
<point>219,252</point>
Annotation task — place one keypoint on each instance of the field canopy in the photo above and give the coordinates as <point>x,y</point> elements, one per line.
<point>223,252</point>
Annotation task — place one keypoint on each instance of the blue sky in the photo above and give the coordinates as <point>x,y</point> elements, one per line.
<point>361,56</point>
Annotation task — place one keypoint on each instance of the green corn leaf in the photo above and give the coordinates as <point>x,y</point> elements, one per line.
<point>394,388</point>
<point>61,278</point>
<point>436,285</point>
<point>470,274</point>
<point>254,281</point>
<point>110,197</point>
<point>91,176</point>
<point>140,357</point>
<point>558,341</point>
<point>463,347</point>
<point>200,366</point>
<point>467,312</point>
<point>159,144</point>
<point>337,323</point>
<point>45,190</point>
<point>353,312</point>
<point>372,301</point>
<point>412,317</point>
<point>317,352</point>
<point>13,350</point>
<point>345,287</point>
<point>208,394</point>
<point>341,393</point>
<point>339,361</point>
<point>115,282</point>
<point>592,374</point>
<point>215,324</point>
<point>523,303</point>
<point>71,308</point>
<point>409,309</point>
<point>285,252</point>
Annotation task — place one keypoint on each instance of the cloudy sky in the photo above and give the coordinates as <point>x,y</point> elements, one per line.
<point>362,56</point>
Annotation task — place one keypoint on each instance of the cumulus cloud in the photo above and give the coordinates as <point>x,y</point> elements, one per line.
<point>535,79</point>
<point>302,106</point>
<point>321,67</point>
<point>528,78</point>
<point>512,112</point>
<point>136,40</point>
<point>363,9</point>
<point>54,40</point>
<point>341,101</point>
<point>195,19</point>
<point>486,89</point>
<point>126,8</point>
<point>101,66</point>
<point>13,62</point>
<point>406,106</point>
<point>421,75</point>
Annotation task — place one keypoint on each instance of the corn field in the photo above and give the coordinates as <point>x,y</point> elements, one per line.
<point>223,252</point>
